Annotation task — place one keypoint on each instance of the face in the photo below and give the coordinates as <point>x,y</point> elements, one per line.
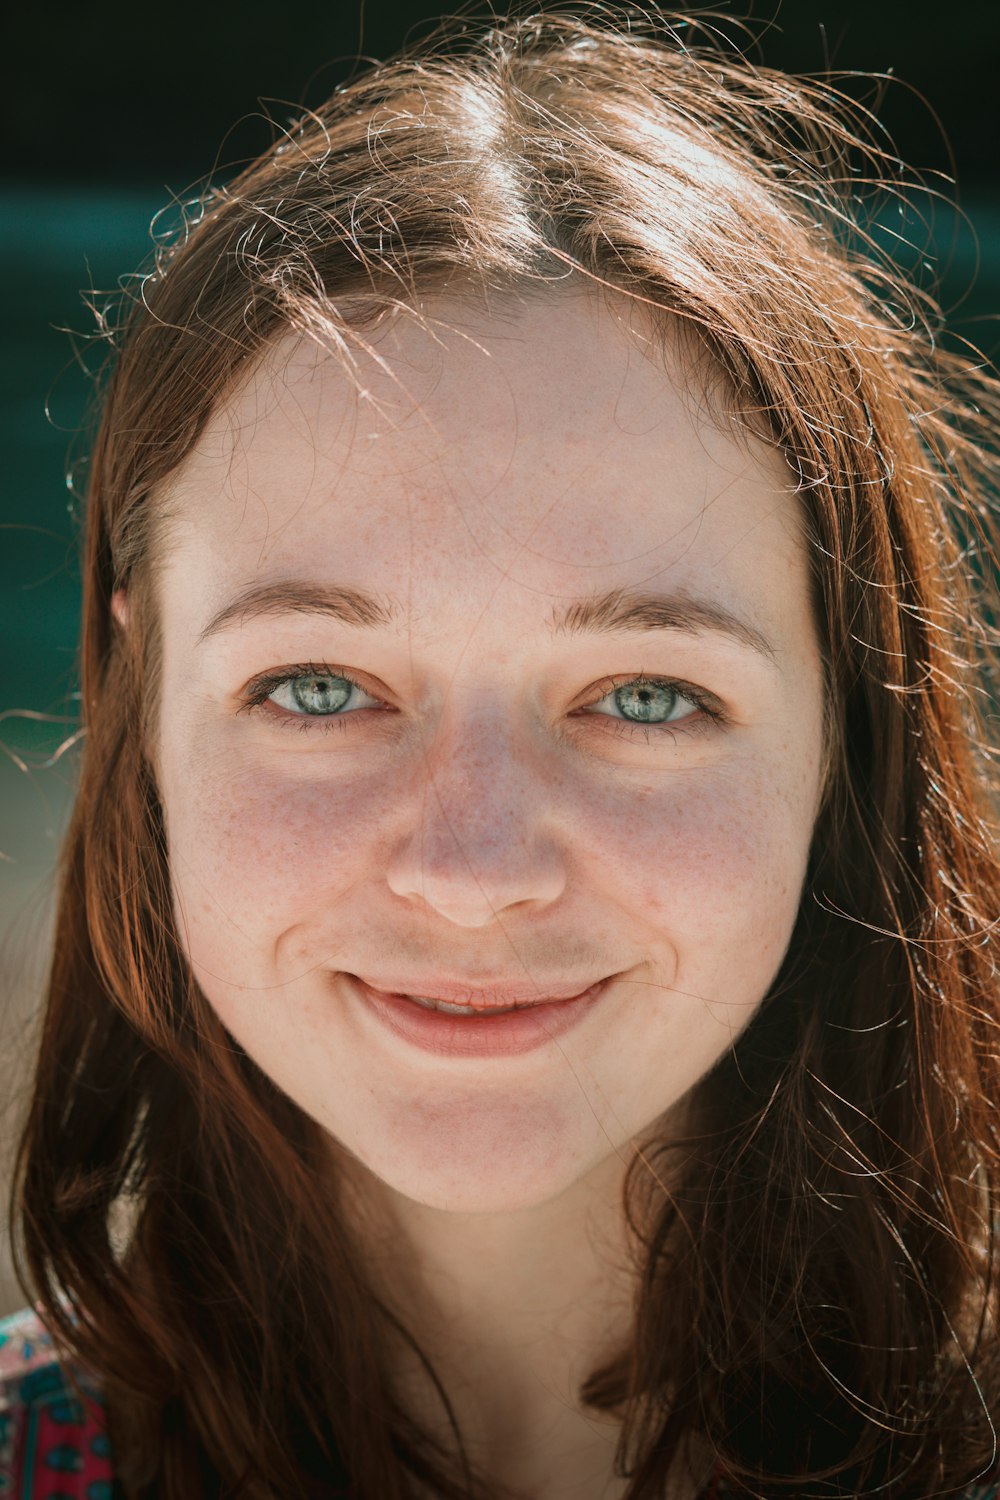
<point>478,778</point>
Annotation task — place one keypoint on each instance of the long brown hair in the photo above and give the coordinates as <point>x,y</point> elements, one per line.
<point>815,1296</point>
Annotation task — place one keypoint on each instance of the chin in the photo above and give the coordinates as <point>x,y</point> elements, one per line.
<point>483,1170</point>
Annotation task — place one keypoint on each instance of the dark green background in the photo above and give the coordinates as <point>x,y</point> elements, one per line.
<point>109,111</point>
<point>113,91</point>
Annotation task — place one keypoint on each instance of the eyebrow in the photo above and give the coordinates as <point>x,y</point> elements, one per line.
<point>631,610</point>
<point>624,610</point>
<point>349,606</point>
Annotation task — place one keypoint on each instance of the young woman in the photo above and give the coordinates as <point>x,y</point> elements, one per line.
<point>524,1016</point>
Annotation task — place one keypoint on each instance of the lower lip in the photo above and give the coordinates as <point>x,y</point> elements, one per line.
<point>506,1035</point>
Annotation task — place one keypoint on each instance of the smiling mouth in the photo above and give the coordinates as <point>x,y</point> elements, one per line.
<point>457,1029</point>
<point>464,1000</point>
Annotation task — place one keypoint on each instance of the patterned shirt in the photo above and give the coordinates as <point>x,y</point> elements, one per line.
<point>52,1447</point>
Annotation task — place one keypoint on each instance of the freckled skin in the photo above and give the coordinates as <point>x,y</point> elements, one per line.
<point>480,826</point>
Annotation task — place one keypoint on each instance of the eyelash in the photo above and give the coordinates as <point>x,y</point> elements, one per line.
<point>257,693</point>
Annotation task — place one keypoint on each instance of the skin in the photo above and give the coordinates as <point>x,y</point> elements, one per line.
<point>488,820</point>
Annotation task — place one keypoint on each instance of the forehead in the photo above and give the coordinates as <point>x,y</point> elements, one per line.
<point>550,442</point>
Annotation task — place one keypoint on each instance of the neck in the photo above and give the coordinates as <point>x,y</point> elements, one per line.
<point>513,1310</point>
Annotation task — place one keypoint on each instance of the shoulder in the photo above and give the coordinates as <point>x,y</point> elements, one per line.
<point>51,1442</point>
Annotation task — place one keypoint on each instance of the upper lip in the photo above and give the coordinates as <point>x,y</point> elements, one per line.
<point>483,996</point>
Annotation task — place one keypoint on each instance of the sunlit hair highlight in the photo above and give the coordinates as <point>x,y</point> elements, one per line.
<point>816,1259</point>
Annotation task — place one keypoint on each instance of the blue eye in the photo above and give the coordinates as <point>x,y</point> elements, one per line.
<point>310,693</point>
<point>643,701</point>
<point>313,694</point>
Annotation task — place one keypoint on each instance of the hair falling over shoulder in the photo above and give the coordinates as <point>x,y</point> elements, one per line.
<point>816,1296</point>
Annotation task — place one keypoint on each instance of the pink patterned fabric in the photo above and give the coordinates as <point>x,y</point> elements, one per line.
<point>52,1446</point>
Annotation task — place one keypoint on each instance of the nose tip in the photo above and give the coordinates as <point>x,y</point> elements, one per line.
<point>472,857</point>
<point>472,886</point>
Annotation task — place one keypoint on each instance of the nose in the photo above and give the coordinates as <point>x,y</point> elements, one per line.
<point>481,837</point>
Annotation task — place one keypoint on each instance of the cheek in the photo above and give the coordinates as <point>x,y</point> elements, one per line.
<point>714,860</point>
<point>707,872</point>
<point>253,854</point>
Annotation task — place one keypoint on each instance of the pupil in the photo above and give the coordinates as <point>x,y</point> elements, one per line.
<point>320,695</point>
<point>648,703</point>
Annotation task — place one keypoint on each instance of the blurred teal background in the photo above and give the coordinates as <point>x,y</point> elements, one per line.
<point>54,243</point>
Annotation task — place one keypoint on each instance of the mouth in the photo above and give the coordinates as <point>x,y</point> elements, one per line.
<point>483,1012</point>
<point>464,999</point>
<point>476,1028</point>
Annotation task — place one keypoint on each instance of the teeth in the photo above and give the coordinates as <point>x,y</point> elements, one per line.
<point>456,1010</point>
